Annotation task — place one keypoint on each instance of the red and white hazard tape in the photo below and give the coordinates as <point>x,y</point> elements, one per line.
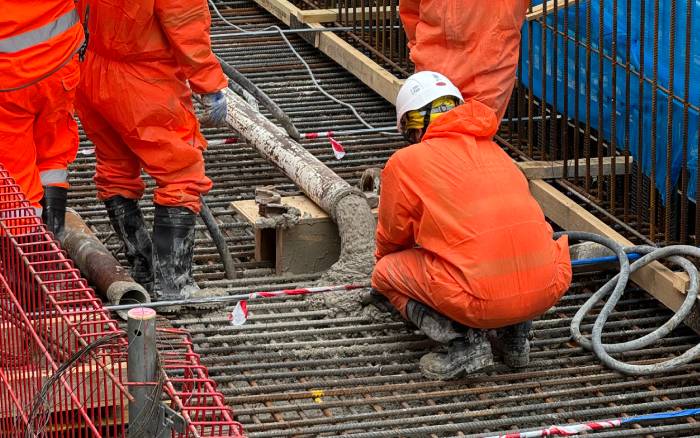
<point>338,149</point>
<point>220,141</point>
<point>568,430</point>
<point>239,314</point>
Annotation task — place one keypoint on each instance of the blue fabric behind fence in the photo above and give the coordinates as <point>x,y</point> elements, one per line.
<point>636,101</point>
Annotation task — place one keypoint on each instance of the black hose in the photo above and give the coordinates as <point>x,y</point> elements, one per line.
<point>219,240</point>
<point>263,98</point>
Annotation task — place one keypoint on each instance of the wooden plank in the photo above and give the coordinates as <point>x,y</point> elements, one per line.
<point>555,169</point>
<point>662,283</point>
<point>372,74</point>
<point>330,15</point>
<point>369,72</point>
<point>311,213</point>
<point>548,7</point>
<point>281,9</point>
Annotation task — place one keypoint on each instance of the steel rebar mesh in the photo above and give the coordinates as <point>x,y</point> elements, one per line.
<point>298,370</point>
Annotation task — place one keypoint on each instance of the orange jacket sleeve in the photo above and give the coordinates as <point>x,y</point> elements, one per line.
<point>186,24</point>
<point>409,10</point>
<point>397,217</point>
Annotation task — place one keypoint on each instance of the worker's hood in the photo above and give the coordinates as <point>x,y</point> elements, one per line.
<point>472,118</point>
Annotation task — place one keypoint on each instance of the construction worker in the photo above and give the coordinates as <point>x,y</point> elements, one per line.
<point>39,73</point>
<point>475,44</point>
<point>462,246</point>
<point>136,106</point>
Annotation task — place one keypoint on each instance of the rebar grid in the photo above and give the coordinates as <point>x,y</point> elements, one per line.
<point>299,370</point>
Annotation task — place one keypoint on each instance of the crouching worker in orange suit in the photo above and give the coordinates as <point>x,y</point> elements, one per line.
<point>39,73</point>
<point>474,43</point>
<point>462,246</point>
<point>136,106</point>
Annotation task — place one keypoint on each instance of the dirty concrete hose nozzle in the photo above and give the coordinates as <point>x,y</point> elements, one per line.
<point>99,265</point>
<point>345,204</point>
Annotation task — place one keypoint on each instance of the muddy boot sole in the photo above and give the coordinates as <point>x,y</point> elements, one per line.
<point>480,358</point>
<point>449,366</point>
<point>431,374</point>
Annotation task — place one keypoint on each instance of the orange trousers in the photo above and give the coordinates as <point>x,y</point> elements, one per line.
<point>38,134</point>
<point>422,276</point>
<point>140,116</point>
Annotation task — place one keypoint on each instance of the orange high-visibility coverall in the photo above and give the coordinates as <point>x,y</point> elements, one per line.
<point>460,232</point>
<point>474,43</point>
<point>134,101</point>
<point>38,76</point>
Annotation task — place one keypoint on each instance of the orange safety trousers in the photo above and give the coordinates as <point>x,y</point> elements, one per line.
<point>38,134</point>
<point>140,116</point>
<point>422,276</point>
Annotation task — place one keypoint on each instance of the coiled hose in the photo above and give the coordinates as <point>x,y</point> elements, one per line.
<point>616,287</point>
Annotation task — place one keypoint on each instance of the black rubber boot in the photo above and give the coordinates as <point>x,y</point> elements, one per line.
<point>512,344</point>
<point>173,247</point>
<point>127,220</point>
<point>54,209</point>
<point>465,355</point>
<point>437,327</point>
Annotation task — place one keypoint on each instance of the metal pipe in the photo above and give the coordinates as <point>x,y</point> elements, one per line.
<point>98,265</point>
<point>229,299</point>
<point>142,371</point>
<point>344,203</point>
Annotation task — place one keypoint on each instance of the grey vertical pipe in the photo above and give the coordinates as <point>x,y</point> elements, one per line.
<point>142,367</point>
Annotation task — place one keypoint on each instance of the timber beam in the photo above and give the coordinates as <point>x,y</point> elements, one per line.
<point>555,169</point>
<point>308,16</point>
<point>365,69</point>
<point>547,8</point>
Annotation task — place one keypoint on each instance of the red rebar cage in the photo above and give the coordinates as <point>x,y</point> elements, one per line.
<point>63,358</point>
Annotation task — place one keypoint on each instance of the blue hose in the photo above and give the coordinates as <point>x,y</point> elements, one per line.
<point>608,259</point>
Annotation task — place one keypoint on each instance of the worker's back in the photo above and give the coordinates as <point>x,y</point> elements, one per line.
<point>472,208</point>
<point>474,43</point>
<point>37,37</point>
<point>127,30</point>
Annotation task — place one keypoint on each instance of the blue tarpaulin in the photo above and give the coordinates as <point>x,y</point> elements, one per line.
<point>637,102</point>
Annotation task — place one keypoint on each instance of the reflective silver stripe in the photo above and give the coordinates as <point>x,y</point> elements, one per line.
<point>38,211</point>
<point>39,35</point>
<point>53,176</point>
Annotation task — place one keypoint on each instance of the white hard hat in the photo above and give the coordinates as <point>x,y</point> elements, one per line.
<point>420,89</point>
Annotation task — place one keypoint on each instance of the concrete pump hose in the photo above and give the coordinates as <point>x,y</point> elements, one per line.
<point>248,85</point>
<point>615,288</point>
